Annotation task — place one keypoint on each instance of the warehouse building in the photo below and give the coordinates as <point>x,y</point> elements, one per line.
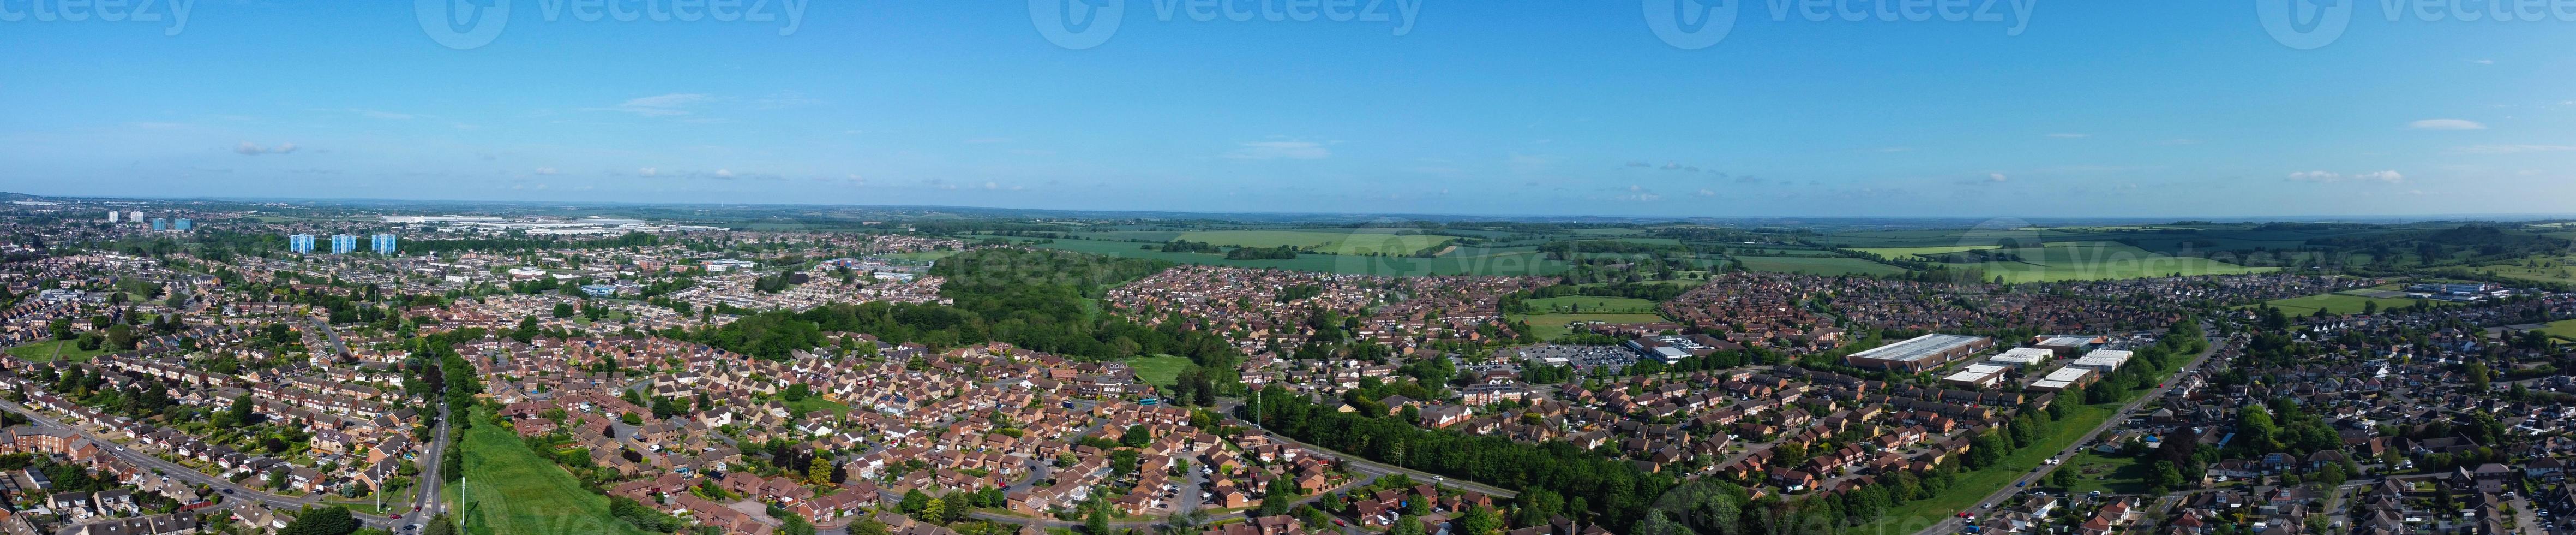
<point>1977,376</point>
<point>2105,360</point>
<point>2023,357</point>
<point>1920,353</point>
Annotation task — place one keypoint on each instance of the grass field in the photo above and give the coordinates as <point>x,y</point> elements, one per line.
<point>1551,326</point>
<point>815,403</point>
<point>2565,330</point>
<point>1893,253</point>
<point>2560,269</point>
<point>1816,265</point>
<point>509,490</point>
<point>2110,475</point>
<point>1585,304</point>
<point>2337,303</point>
<point>924,255</point>
<point>1335,241</point>
<point>49,350</point>
<point>2100,261</point>
<point>1158,369</point>
<point>1465,261</point>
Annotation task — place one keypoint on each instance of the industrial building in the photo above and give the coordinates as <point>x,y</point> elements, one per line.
<point>2063,378</point>
<point>2022,357</point>
<point>2105,360</point>
<point>1920,353</point>
<point>2068,346</point>
<point>1978,376</point>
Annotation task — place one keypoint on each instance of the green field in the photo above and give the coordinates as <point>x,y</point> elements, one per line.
<point>1585,304</point>
<point>1894,253</point>
<point>815,403</point>
<point>2564,330</point>
<point>923,256</point>
<point>2338,303</point>
<point>1464,261</point>
<point>1160,370</point>
<point>509,490</point>
<point>1335,241</point>
<point>1816,265</point>
<point>2100,261</point>
<point>49,350</point>
<point>2560,269</point>
<point>1551,326</point>
<point>2110,475</point>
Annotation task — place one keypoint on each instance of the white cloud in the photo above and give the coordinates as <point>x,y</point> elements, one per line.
<point>253,149</point>
<point>1274,150</point>
<point>376,114</point>
<point>2064,135</point>
<point>648,171</point>
<point>2446,124</point>
<point>1706,193</point>
<point>2327,177</point>
<point>662,105</point>
<point>1999,177</point>
<point>2175,142</point>
<point>545,170</point>
<point>2483,61</point>
<point>2512,149</point>
<point>724,173</point>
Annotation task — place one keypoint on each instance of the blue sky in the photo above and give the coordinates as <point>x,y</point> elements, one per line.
<point>1492,107</point>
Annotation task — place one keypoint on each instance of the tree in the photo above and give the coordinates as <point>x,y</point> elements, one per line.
<point>913,502</point>
<point>1480,520</point>
<point>333,520</point>
<point>2062,478</point>
<point>1097,523</point>
<point>563,310</point>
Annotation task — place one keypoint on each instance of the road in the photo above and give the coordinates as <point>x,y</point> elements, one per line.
<point>1952,524</point>
<point>230,491</point>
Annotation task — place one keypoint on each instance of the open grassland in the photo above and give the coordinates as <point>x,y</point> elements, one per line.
<point>1159,370</point>
<point>2100,261</point>
<point>1505,261</point>
<point>1552,326</point>
<point>2108,475</point>
<point>52,350</point>
<point>509,490</point>
<point>1585,304</point>
<point>1335,241</point>
<point>1894,253</point>
<point>1816,265</point>
<point>2554,269</point>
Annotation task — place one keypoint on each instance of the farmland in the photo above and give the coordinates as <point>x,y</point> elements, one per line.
<point>2098,261</point>
<point>1459,262</point>
<point>1894,253</point>
<point>1816,265</point>
<point>1332,241</point>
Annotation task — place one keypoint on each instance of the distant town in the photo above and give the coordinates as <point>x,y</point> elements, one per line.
<point>181,366</point>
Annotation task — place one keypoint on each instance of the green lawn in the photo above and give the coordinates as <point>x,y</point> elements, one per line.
<point>2565,330</point>
<point>1462,261</point>
<point>1158,369</point>
<point>1586,304</point>
<point>815,403</point>
<point>509,490</point>
<point>1551,326</point>
<point>1816,265</point>
<point>924,255</point>
<point>2110,475</point>
<point>49,350</point>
